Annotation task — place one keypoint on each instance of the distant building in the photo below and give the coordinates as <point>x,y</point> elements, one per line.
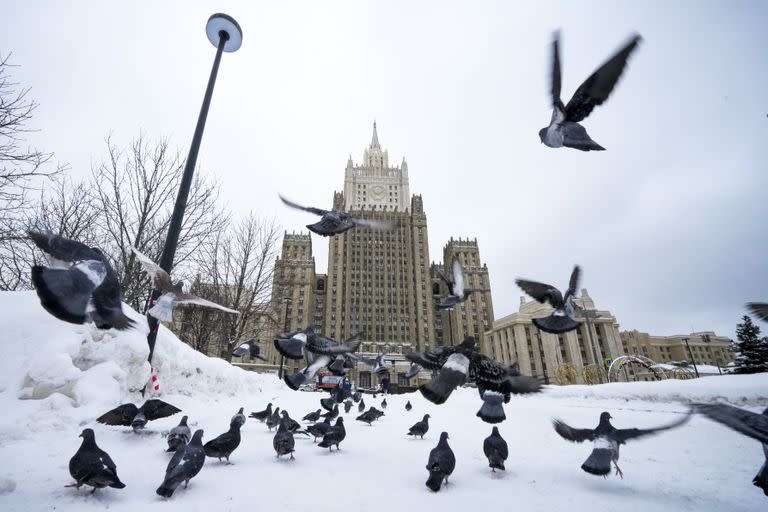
<point>706,347</point>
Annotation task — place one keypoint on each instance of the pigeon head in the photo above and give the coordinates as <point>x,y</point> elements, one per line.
<point>284,414</point>
<point>339,421</point>
<point>542,135</point>
<point>444,436</point>
<point>183,421</point>
<point>426,416</point>
<point>240,411</point>
<point>605,416</point>
<point>197,438</point>
<point>87,434</point>
<point>495,431</point>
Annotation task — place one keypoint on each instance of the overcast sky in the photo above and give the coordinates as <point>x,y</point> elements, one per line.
<point>668,224</point>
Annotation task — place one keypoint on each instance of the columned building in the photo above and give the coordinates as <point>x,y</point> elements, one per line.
<point>706,347</point>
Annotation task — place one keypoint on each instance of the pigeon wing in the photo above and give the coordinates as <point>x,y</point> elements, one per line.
<point>374,224</point>
<point>596,89</point>
<point>556,101</point>
<point>316,211</point>
<point>748,423</point>
<point>759,309</point>
<point>624,435</point>
<point>63,249</point>
<point>458,278</point>
<point>540,291</point>
<point>577,435</point>
<point>573,284</point>
<point>120,415</point>
<point>188,298</point>
<point>160,278</point>
<point>155,409</point>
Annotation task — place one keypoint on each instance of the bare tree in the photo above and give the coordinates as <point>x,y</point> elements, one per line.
<point>135,189</point>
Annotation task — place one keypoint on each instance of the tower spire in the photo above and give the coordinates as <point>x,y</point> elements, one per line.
<point>375,138</point>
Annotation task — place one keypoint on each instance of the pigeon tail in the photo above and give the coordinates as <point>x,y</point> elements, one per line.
<point>165,492</point>
<point>495,461</point>
<point>163,309</point>
<point>556,324</point>
<point>295,380</point>
<point>117,485</point>
<point>290,348</point>
<point>435,480</point>
<point>492,411</point>
<point>174,444</point>
<point>598,462</point>
<point>761,478</point>
<point>41,277</point>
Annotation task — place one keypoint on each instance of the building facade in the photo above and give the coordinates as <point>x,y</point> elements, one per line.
<point>705,347</point>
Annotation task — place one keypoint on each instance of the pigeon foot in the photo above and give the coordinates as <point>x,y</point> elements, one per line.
<point>618,471</point>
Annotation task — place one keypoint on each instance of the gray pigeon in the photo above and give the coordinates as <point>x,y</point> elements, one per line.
<point>238,418</point>
<point>368,417</point>
<point>333,222</point>
<point>492,410</point>
<point>420,427</point>
<point>562,318</point>
<point>745,422</point>
<point>347,406</point>
<point>250,347</point>
<point>332,413</point>
<point>376,413</point>
<point>441,463</point>
<point>357,396</point>
<point>361,406</point>
<point>759,309</point>
<point>607,441</point>
<point>128,415</point>
<point>495,448</point>
<point>408,405</point>
<point>183,466</point>
<point>179,435</point>
<point>319,429</point>
<point>413,371</point>
<point>458,293</point>
<point>564,128</point>
<point>79,285</point>
<point>225,444</point>
<point>313,416</point>
<point>93,466</point>
<point>262,415</point>
<point>273,420</point>
<point>384,404</point>
<point>283,442</point>
<point>334,436</point>
<point>291,423</point>
<point>328,403</point>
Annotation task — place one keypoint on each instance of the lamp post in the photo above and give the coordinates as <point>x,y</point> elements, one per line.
<point>288,301</point>
<point>690,353</point>
<point>589,314</point>
<point>543,357</point>
<point>225,34</point>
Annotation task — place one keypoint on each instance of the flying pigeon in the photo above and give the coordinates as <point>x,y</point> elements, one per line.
<point>759,309</point>
<point>408,405</point>
<point>377,363</point>
<point>171,294</point>
<point>492,411</point>
<point>564,128</point>
<point>607,441</point>
<point>262,415</point>
<point>347,406</point>
<point>333,222</point>
<point>79,285</point>
<point>562,318</point>
<point>441,463</point>
<point>333,413</point>
<point>250,347</point>
<point>413,371</point>
<point>93,466</point>
<point>283,442</point>
<point>458,293</point>
<point>183,466</point>
<point>128,415</point>
<point>301,377</point>
<point>361,405</point>
<point>420,427</point>
<point>179,435</point>
<point>368,417</point>
<point>334,436</point>
<point>313,416</point>
<point>319,429</point>
<point>273,420</point>
<point>745,422</point>
<point>384,404</point>
<point>495,448</point>
<point>238,418</point>
<point>225,444</point>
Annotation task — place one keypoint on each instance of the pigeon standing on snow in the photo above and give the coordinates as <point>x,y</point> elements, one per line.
<point>495,448</point>
<point>562,318</point>
<point>607,441</point>
<point>564,128</point>
<point>384,404</point>
<point>93,466</point>
<point>333,222</point>
<point>128,415</point>
<point>313,416</point>
<point>334,436</point>
<point>283,442</point>
<point>368,417</point>
<point>441,463</point>
<point>79,285</point>
<point>319,429</point>
<point>263,415</point>
<point>225,444</point>
<point>291,423</point>
<point>347,406</point>
<point>746,422</point>
<point>273,420</point>
<point>332,413</point>
<point>238,418</point>
<point>171,294</point>
<point>458,293</point>
<point>250,347</point>
<point>179,435</point>
<point>420,427</point>
<point>183,466</point>
<point>408,405</point>
<point>357,396</point>
<point>361,406</point>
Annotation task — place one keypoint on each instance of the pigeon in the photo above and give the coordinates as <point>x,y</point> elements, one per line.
<point>225,444</point>
<point>292,424</point>
<point>93,466</point>
<point>183,466</point>
<point>319,429</point>
<point>283,442</point>
<point>273,420</point>
<point>376,413</point>
<point>250,347</point>
<point>334,436</point>
<point>333,222</point>
<point>413,371</point>
<point>378,365</point>
<point>313,416</point>
<point>384,404</point>
<point>328,403</point>
<point>458,293</point>
<point>492,411</point>
<point>368,417</point>
<point>171,294</point>
<point>759,309</point>
<point>408,405</point>
<point>292,345</point>
<point>333,413</point>
<point>745,422</point>
<point>347,406</point>
<point>420,427</point>
<point>79,285</point>
<point>238,418</point>
<point>495,448</point>
<point>301,377</point>
<point>562,318</point>
<point>441,463</point>
<point>361,406</point>
<point>564,128</point>
<point>607,441</point>
<point>262,415</point>
<point>357,396</point>
<point>128,415</point>
<point>179,435</point>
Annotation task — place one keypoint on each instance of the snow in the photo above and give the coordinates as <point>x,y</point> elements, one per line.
<point>55,378</point>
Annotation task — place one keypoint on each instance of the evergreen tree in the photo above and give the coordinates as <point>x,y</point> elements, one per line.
<point>751,350</point>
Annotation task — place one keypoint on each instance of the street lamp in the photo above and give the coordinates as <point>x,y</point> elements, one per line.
<point>590,314</point>
<point>288,301</point>
<point>693,361</point>
<point>225,34</point>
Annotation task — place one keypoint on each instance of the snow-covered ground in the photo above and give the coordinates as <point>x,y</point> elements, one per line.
<point>55,378</point>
